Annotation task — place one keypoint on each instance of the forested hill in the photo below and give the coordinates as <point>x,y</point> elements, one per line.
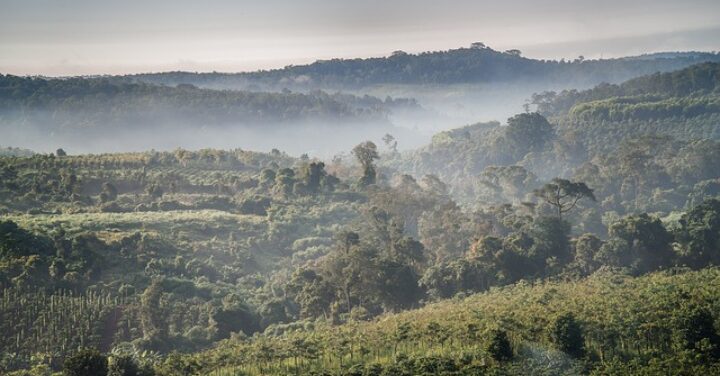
<point>102,114</point>
<point>106,102</point>
<point>694,81</point>
<point>478,64</point>
<point>661,129</point>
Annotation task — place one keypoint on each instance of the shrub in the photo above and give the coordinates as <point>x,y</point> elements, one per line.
<point>88,362</point>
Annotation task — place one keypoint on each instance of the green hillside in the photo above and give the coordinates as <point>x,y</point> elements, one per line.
<point>626,326</point>
<point>664,128</point>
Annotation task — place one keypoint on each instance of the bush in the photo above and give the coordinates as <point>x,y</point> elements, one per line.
<point>88,362</point>
<point>256,205</point>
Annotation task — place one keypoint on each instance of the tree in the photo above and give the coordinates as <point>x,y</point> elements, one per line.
<point>586,248</point>
<point>313,174</point>
<point>312,292</point>
<point>366,153</point>
<point>699,235</point>
<point>499,347</point>
<point>285,181</point>
<point>508,183</point>
<point>109,192</point>
<point>234,317</point>
<point>348,239</point>
<point>639,242</point>
<point>152,320</point>
<point>567,335</point>
<point>564,194</point>
<point>408,251</point>
<point>528,132</point>
<point>696,331</point>
<point>396,284</point>
<point>60,152</point>
<point>87,362</point>
<point>550,240</point>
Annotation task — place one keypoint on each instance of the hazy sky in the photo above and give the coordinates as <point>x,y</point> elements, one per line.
<point>67,37</point>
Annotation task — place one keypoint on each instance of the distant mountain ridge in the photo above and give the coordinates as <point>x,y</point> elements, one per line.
<point>475,65</point>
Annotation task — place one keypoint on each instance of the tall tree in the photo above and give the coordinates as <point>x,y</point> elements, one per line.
<point>366,153</point>
<point>564,194</point>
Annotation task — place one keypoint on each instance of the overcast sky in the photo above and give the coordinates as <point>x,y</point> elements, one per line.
<point>69,37</point>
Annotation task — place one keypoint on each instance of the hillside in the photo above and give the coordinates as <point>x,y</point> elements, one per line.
<point>697,80</point>
<point>668,123</point>
<point>627,326</point>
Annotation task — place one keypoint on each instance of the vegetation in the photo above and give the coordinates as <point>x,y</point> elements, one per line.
<point>101,104</point>
<point>497,249</point>
<point>476,64</point>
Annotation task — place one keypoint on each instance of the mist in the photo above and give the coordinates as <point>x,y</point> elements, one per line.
<point>316,139</point>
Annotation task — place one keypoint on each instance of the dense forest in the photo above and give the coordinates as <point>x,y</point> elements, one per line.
<point>570,240</point>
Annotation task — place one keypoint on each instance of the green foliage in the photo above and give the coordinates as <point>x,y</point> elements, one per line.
<point>567,335</point>
<point>529,132</point>
<point>366,153</point>
<point>499,347</point>
<point>639,242</point>
<point>125,365</point>
<point>87,362</point>
<point>701,78</point>
<point>696,332</point>
<point>628,324</point>
<point>699,234</point>
<point>564,194</point>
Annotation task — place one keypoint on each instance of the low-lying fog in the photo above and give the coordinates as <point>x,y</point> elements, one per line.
<point>317,140</point>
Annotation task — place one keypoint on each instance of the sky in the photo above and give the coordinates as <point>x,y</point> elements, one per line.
<point>79,37</point>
